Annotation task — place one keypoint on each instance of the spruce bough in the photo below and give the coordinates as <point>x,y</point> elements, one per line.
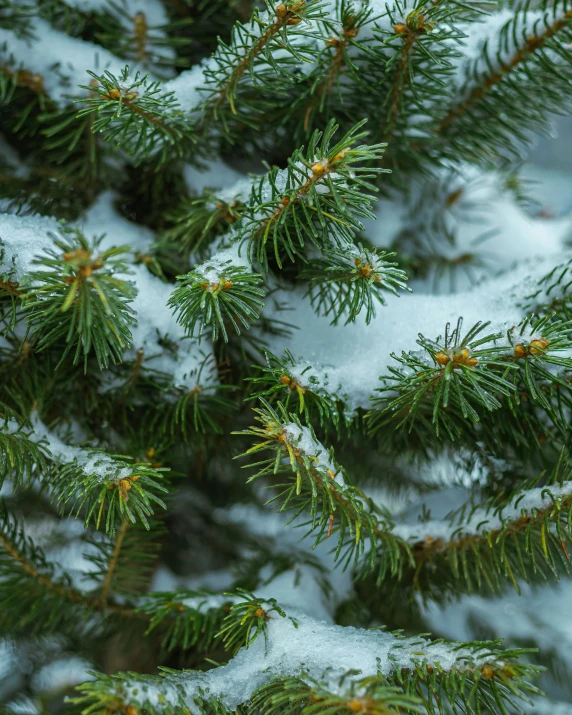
<point>280,431</point>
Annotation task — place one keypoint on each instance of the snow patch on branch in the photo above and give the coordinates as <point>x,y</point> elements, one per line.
<point>303,440</point>
<point>216,269</point>
<point>299,645</point>
<point>363,352</point>
<point>61,61</point>
<point>482,521</point>
<point>89,461</point>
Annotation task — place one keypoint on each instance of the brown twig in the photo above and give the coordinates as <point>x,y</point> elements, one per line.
<point>113,563</point>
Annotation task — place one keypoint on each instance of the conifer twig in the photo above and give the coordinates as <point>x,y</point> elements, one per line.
<point>66,592</point>
<point>495,77</point>
<point>113,562</point>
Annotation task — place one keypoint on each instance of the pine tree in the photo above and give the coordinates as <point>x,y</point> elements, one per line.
<point>285,358</point>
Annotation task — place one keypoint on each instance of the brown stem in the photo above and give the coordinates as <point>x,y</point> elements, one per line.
<point>141,29</point>
<point>336,66</point>
<point>9,287</point>
<point>113,563</point>
<point>286,17</point>
<point>534,42</point>
<point>395,95</point>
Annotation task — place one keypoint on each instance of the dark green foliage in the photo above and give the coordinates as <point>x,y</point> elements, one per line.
<point>317,200</point>
<point>312,110</point>
<point>21,459</point>
<point>231,297</point>
<point>277,380</point>
<point>341,285</point>
<point>463,377</point>
<point>136,114</point>
<point>79,300</point>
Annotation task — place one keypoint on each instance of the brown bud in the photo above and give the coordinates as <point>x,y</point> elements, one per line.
<point>520,351</point>
<point>537,347</point>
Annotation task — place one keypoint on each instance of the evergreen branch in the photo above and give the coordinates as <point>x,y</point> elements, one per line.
<point>300,383</point>
<point>136,114</point>
<point>553,293</point>
<point>532,44</point>
<point>320,485</point>
<point>16,17</point>
<point>286,14</point>
<point>188,619</point>
<point>149,45</point>
<point>216,294</point>
<point>33,599</point>
<point>200,408</point>
<point>289,695</point>
<point>105,487</point>
<point>124,562</point>
<point>317,200</point>
<point>262,54</point>
<point>126,492</point>
<point>522,536</point>
<point>344,282</point>
<point>333,63</point>
<point>415,25</point>
<point>412,64</point>
<point>474,127</point>
<point>469,677</point>
<point>465,377</point>
<point>76,298</point>
<point>196,222</point>
<point>247,618</point>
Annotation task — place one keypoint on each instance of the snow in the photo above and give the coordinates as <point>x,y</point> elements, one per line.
<point>484,221</point>
<point>62,61</point>
<point>165,580</point>
<point>206,602</point>
<point>501,46</point>
<point>363,352</point>
<point>91,462</point>
<point>154,10</point>
<point>22,705</point>
<point>22,239</point>
<point>301,587</point>
<point>156,321</point>
<point>187,86</point>
<point>102,218</point>
<point>302,439</point>
<point>549,707</point>
<point>215,175</point>
<point>299,644</point>
<point>62,674</point>
<point>482,521</point>
<point>216,269</point>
